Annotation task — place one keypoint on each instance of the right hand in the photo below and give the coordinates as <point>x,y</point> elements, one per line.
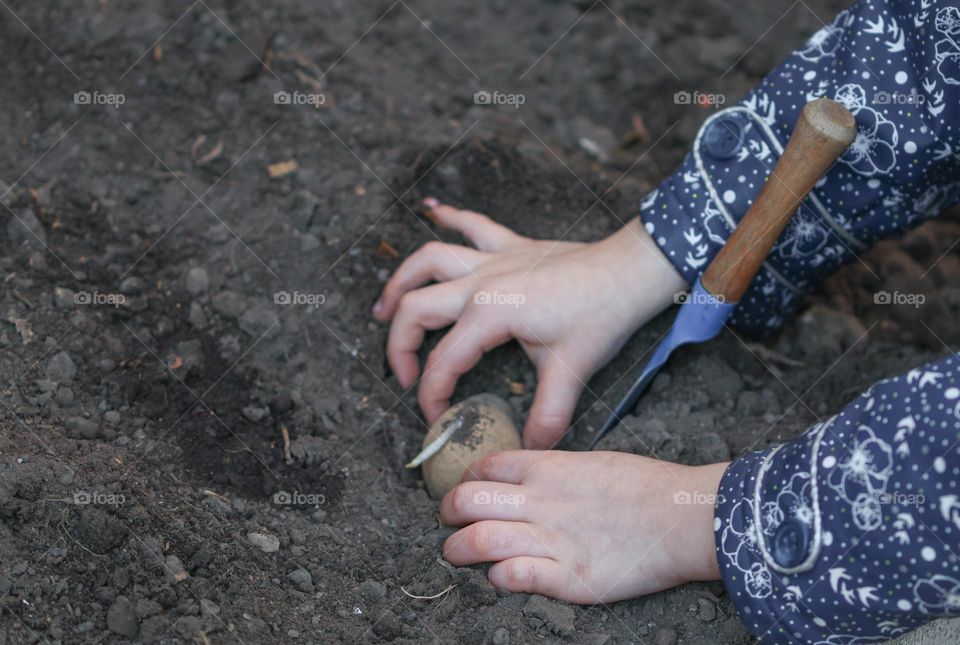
<point>570,305</point>
<point>586,527</point>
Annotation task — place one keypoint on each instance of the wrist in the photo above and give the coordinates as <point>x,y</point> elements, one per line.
<point>649,281</point>
<point>693,544</point>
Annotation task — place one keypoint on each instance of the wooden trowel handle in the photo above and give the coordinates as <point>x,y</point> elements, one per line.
<point>822,133</point>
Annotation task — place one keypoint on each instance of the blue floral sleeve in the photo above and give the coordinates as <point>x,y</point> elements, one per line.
<point>896,65</point>
<point>850,533</point>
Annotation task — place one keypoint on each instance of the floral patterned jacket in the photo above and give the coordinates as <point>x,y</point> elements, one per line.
<point>850,533</point>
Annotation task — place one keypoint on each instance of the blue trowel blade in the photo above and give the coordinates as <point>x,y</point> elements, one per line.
<point>700,318</point>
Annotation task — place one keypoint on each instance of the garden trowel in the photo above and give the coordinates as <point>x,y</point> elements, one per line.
<point>824,130</point>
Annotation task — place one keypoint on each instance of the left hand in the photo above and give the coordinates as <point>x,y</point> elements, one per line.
<point>571,306</point>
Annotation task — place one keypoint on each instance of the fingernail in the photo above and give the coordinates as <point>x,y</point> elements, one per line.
<point>430,202</point>
<point>378,307</point>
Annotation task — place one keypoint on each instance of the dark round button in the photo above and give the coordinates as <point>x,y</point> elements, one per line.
<point>790,543</point>
<point>723,138</point>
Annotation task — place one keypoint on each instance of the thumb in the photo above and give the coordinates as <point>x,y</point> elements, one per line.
<point>558,389</point>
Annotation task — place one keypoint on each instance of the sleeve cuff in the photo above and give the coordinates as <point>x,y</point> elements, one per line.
<point>768,530</point>
<point>693,212</point>
<point>845,534</point>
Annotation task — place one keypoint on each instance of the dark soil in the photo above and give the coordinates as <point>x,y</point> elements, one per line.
<point>146,489</point>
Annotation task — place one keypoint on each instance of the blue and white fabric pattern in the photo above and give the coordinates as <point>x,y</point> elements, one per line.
<point>896,66</point>
<point>850,533</point>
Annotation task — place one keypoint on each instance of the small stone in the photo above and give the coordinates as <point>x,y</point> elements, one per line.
<point>297,536</point>
<point>301,579</point>
<point>63,298</point>
<point>596,140</point>
<point>151,551</point>
<point>388,626</point>
<point>175,569</point>
<point>26,228</point>
<point>147,607</point>
<point>112,417</point>
<point>81,428</point>
<point>255,413</point>
<point>218,233</point>
<point>64,395</point>
<point>665,637</point>
<point>192,358</point>
<point>557,617</point>
<point>131,286</point>
<point>208,607</point>
<point>196,281</point>
<point>188,627</point>
<point>264,542</point>
<point>706,609</point>
<point>282,403</point>
<point>60,367</point>
<point>501,636</point>
<point>372,591</point>
<point>122,618</point>
<point>154,628</point>
<point>258,322</point>
<point>198,319</point>
<point>229,304</point>
<point>217,505</point>
<point>309,243</point>
<point>596,639</point>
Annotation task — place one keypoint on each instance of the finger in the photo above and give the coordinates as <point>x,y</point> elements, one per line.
<point>482,231</point>
<point>475,501</point>
<point>531,575</point>
<point>432,261</point>
<point>509,466</point>
<point>425,309</point>
<point>455,355</point>
<point>558,389</point>
<point>492,541</point>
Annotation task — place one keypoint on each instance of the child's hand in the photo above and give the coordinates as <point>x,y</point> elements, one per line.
<point>570,305</point>
<point>587,527</point>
